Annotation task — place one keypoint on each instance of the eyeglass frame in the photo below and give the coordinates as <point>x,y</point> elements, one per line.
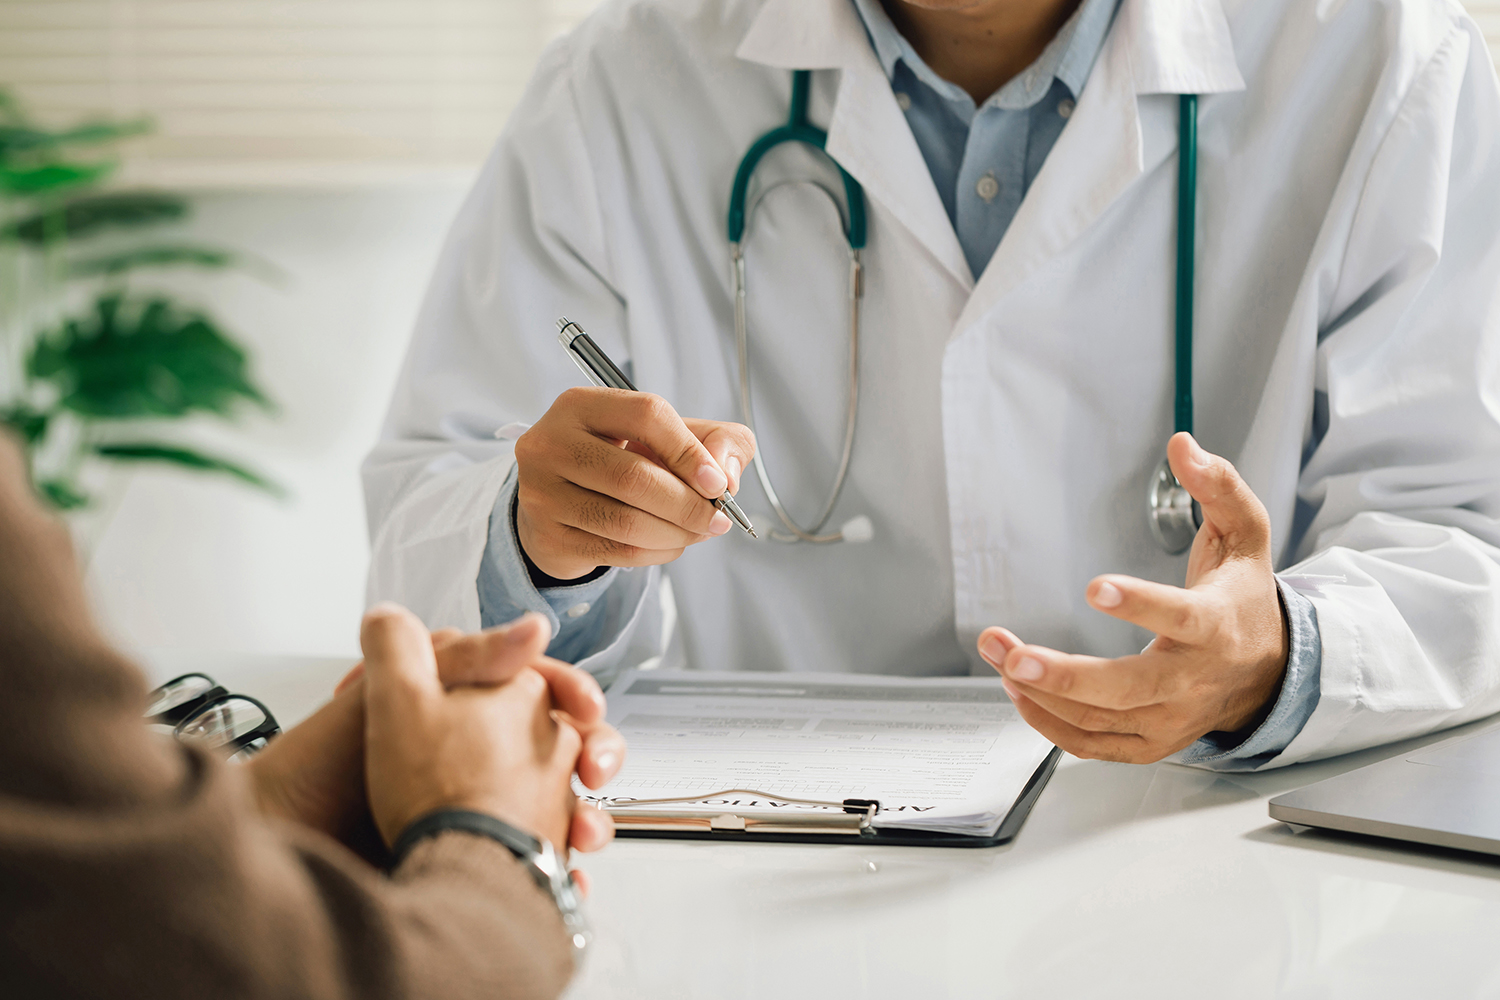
<point>268,726</point>
<point>179,717</point>
<point>177,713</point>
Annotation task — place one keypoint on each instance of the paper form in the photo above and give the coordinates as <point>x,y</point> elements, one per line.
<point>946,754</point>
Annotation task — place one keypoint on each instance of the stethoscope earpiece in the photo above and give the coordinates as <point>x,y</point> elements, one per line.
<point>1175,515</point>
<point>857,529</point>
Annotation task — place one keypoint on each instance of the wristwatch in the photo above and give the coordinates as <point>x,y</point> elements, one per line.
<point>538,855</point>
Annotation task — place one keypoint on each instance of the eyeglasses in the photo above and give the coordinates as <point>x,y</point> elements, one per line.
<point>195,706</point>
<point>181,697</point>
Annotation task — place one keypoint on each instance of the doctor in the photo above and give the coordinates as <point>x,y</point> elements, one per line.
<point>1019,161</point>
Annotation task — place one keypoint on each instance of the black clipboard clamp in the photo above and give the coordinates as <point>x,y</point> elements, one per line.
<point>845,821</point>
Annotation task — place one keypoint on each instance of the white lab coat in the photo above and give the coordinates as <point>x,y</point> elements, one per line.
<point>1348,339</point>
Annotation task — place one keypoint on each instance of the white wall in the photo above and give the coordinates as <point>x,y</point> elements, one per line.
<point>196,562</point>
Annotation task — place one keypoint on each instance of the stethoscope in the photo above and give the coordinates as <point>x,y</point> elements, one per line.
<point>799,129</point>
<point>1174,516</point>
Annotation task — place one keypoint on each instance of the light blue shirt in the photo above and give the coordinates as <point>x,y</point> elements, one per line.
<point>982,159</point>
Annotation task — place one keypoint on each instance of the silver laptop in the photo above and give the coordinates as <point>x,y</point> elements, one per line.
<point>1446,795</point>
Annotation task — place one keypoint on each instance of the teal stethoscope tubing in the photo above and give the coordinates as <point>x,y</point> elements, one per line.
<point>1187,235</point>
<point>1174,517</point>
<point>799,129</point>
<point>796,129</point>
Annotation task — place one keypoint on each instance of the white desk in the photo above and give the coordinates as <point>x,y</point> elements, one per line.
<point>1157,881</point>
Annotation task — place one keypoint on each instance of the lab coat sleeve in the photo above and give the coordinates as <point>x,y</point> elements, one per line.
<point>526,247</point>
<point>1400,486</point>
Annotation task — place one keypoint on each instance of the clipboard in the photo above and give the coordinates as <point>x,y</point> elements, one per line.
<point>850,826</point>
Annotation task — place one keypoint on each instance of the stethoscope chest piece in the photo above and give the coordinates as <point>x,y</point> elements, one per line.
<point>1175,515</point>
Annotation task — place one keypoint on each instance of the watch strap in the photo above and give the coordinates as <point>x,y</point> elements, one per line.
<point>542,863</point>
<point>523,845</point>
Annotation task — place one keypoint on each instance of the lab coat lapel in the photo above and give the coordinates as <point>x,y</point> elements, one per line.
<point>867,134</point>
<point>1155,47</point>
<point>870,137</point>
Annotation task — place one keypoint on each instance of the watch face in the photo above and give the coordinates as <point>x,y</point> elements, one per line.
<point>559,882</point>
<point>545,858</point>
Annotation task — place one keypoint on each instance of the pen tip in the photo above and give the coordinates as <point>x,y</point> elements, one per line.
<point>752,533</point>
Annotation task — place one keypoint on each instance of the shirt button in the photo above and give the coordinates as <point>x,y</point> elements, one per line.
<point>987,187</point>
<point>1065,107</point>
<point>903,101</point>
<point>579,610</point>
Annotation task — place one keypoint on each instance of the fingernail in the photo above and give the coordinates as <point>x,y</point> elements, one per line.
<point>719,524</point>
<point>732,469</point>
<point>1009,689</point>
<point>993,649</point>
<point>710,480</point>
<point>1197,454</point>
<point>1029,669</point>
<point>1108,596</point>
<point>607,761</point>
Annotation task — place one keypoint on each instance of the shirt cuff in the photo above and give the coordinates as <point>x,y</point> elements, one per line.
<point>506,591</point>
<point>1294,706</point>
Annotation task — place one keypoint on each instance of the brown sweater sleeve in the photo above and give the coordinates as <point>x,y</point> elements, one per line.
<point>133,866</point>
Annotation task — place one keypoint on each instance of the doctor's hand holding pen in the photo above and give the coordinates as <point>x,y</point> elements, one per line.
<point>482,722</point>
<point>609,477</point>
<point>1221,646</point>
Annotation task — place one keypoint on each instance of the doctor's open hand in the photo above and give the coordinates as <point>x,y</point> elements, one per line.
<point>615,478</point>
<point>1220,651</point>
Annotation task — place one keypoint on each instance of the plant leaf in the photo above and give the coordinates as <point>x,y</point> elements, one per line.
<point>165,255</point>
<point>187,458</point>
<point>30,424</point>
<point>10,109</point>
<point>51,177</point>
<point>134,359</point>
<point>87,215</point>
<point>62,494</point>
<point>23,138</point>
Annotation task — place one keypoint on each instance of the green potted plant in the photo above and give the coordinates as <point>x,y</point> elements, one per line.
<point>96,366</point>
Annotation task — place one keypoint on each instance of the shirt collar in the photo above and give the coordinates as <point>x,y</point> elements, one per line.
<point>1069,57</point>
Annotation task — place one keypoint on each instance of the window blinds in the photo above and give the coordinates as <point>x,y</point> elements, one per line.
<point>294,91</point>
<point>259,91</point>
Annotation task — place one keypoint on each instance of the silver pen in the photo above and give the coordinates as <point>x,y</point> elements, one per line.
<point>593,362</point>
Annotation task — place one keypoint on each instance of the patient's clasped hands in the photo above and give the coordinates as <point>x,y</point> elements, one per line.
<point>483,722</point>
